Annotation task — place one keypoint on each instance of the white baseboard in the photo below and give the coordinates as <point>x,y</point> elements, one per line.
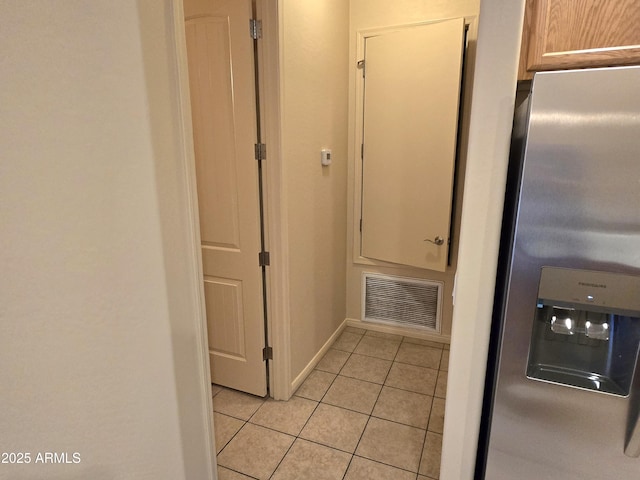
<point>396,330</point>
<point>318,356</point>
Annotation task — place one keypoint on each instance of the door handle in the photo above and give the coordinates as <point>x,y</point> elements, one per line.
<point>436,241</point>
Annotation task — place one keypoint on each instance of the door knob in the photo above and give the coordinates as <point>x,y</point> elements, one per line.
<point>437,241</point>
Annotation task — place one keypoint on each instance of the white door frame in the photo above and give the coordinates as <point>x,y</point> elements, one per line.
<point>190,422</point>
<point>270,84</point>
<point>278,320</point>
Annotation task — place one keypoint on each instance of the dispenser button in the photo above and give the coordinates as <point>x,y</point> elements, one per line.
<point>562,321</point>
<point>596,326</point>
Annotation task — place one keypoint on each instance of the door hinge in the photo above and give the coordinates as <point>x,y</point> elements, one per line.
<point>360,66</point>
<point>255,28</point>
<point>267,353</point>
<point>361,225</point>
<point>362,151</point>
<point>260,151</point>
<point>263,259</point>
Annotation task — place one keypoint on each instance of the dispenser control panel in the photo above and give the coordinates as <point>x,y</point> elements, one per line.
<point>599,291</point>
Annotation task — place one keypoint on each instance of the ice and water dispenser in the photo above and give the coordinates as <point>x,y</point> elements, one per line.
<point>586,330</point>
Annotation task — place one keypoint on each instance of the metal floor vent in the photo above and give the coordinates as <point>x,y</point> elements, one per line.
<point>401,301</point>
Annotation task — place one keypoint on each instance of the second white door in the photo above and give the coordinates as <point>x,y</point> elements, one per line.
<point>412,90</point>
<point>221,73</point>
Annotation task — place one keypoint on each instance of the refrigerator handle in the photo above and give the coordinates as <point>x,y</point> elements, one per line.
<point>632,443</point>
<point>632,440</point>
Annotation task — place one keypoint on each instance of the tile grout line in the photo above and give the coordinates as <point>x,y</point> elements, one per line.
<point>430,414</point>
<point>232,436</point>
<point>383,385</point>
<point>369,415</point>
<point>311,415</point>
<point>372,408</point>
<point>297,436</point>
<point>238,431</point>
<point>424,440</point>
<point>394,360</point>
<point>245,422</point>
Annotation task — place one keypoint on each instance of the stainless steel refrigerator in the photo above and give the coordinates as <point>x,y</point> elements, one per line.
<point>563,384</point>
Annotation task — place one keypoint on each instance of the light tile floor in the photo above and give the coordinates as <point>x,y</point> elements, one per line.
<point>373,409</point>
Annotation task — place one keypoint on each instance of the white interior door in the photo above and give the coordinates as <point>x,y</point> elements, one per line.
<point>411,99</point>
<point>221,72</point>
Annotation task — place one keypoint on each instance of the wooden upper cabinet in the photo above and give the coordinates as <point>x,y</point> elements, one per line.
<point>565,34</point>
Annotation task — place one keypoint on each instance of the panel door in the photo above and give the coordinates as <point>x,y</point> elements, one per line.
<point>221,80</point>
<point>412,90</point>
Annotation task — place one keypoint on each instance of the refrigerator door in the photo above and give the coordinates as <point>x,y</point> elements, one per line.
<point>579,208</point>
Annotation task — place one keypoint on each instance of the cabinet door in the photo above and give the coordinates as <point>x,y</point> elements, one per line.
<point>565,34</point>
<point>411,95</point>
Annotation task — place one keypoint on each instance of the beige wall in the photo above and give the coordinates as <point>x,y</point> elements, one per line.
<point>313,69</point>
<point>368,14</point>
<point>102,340</point>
